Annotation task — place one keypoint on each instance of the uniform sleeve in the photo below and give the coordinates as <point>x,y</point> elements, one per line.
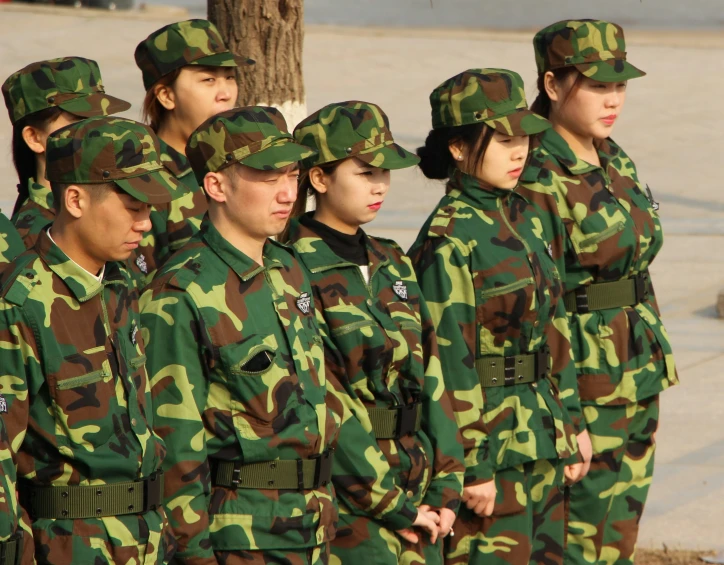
<point>448,469</point>
<point>446,282</point>
<point>179,388</point>
<point>361,474</point>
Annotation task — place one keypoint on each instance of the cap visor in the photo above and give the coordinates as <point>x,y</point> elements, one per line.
<point>95,105</point>
<point>277,156</point>
<point>614,70</point>
<point>389,157</point>
<point>520,122</point>
<point>227,59</point>
<point>157,187</point>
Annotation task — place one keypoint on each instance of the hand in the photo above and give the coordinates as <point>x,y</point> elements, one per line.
<point>480,498</point>
<point>427,520</point>
<point>447,518</point>
<point>577,471</point>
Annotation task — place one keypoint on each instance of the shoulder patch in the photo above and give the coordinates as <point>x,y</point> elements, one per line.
<point>18,280</point>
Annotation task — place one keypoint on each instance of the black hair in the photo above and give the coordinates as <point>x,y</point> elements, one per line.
<point>436,161</point>
<point>97,192</point>
<point>24,158</point>
<point>542,104</point>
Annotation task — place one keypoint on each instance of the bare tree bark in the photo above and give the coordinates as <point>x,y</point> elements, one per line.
<point>272,33</point>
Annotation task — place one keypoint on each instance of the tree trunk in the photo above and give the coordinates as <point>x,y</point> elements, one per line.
<point>272,33</point>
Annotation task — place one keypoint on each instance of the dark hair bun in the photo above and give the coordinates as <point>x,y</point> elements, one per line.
<point>435,157</point>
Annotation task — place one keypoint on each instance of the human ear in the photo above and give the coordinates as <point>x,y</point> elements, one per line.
<point>165,96</point>
<point>318,180</point>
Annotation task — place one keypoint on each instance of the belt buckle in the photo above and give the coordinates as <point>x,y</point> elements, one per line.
<point>641,287</point>
<point>323,468</point>
<point>581,294</point>
<point>542,358</point>
<point>406,419</point>
<point>153,490</point>
<point>17,537</point>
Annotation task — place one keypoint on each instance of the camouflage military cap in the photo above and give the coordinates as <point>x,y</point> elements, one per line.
<point>255,136</point>
<point>352,129</point>
<point>191,42</point>
<point>495,97</point>
<point>104,150</point>
<point>596,48</point>
<point>71,83</point>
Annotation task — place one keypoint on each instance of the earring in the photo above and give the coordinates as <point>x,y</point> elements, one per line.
<point>460,157</point>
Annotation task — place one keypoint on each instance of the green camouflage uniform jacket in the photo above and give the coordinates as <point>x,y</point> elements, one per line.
<point>603,227</point>
<point>79,400</point>
<point>11,245</point>
<point>172,224</point>
<point>208,316</point>
<point>35,213</point>
<point>493,290</point>
<point>385,355</point>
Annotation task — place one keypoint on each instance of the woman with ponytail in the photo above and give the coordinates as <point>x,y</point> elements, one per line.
<point>398,482</point>
<point>604,231</point>
<point>496,302</point>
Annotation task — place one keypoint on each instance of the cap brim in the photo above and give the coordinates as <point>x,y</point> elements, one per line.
<point>227,59</point>
<point>95,105</point>
<point>157,187</point>
<point>280,154</point>
<point>389,157</point>
<point>520,122</point>
<point>613,70</point>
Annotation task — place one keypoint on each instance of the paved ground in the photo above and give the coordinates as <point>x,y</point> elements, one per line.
<point>673,127</point>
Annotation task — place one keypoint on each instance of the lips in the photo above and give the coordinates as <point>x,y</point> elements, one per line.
<point>515,173</point>
<point>376,206</point>
<point>609,119</point>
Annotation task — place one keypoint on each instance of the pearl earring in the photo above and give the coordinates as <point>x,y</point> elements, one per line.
<point>460,157</point>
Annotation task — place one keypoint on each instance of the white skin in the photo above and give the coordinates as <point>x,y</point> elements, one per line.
<point>92,231</point>
<point>197,94</point>
<point>36,139</point>
<point>347,198</point>
<point>248,206</point>
<point>587,115</point>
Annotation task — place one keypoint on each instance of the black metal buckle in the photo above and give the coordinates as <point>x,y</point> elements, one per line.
<point>582,300</point>
<point>542,358</point>
<point>641,286</point>
<point>153,491</point>
<point>323,468</point>
<point>509,371</point>
<point>406,419</point>
<point>300,474</point>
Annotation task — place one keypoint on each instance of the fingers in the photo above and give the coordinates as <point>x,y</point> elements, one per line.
<point>488,510</point>
<point>408,535</point>
<point>447,518</point>
<point>568,472</point>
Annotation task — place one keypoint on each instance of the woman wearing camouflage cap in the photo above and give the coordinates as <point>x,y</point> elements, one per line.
<point>381,346</point>
<point>605,231</point>
<point>496,300</point>
<point>189,76</point>
<point>41,98</point>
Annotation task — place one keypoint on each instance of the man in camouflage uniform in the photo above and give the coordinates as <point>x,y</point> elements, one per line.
<point>605,232</point>
<point>196,43</point>
<point>72,360</point>
<point>496,300</point>
<point>69,84</point>
<point>383,351</point>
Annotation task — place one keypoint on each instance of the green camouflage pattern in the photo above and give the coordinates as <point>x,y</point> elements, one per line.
<point>383,352</point>
<point>11,244</point>
<point>73,84</point>
<point>594,47</point>
<point>255,136</point>
<point>352,129</point>
<point>172,224</point>
<point>605,508</point>
<point>110,150</point>
<point>191,42</point>
<point>318,555</point>
<point>79,399</point>
<point>361,539</point>
<point>527,525</point>
<point>602,227</point>
<point>495,97</point>
<point>35,213</point>
<point>493,290</point>
<point>208,316</point>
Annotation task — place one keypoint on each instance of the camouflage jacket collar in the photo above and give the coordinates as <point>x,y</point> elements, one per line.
<point>245,267</point>
<point>558,147</point>
<point>318,255</point>
<point>39,194</point>
<point>175,162</point>
<point>80,282</point>
<point>476,192</point>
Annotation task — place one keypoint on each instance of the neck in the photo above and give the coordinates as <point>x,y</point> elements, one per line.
<point>40,171</point>
<point>251,246</point>
<point>581,145</point>
<point>330,220</point>
<point>171,133</point>
<point>71,243</point>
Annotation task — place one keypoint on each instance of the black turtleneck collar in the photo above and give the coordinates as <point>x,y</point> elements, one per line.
<point>352,248</point>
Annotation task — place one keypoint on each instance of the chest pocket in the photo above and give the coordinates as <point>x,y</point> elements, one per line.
<point>84,397</point>
<point>502,310</point>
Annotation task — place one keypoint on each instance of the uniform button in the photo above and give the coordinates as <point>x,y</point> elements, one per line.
<point>410,494</point>
<point>134,422</point>
<point>536,324</point>
<point>301,385</point>
<point>320,537</point>
<point>370,302</point>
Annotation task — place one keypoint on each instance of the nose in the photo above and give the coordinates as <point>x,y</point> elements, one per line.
<point>226,88</point>
<point>288,191</point>
<point>143,224</point>
<point>613,100</point>
<point>520,151</point>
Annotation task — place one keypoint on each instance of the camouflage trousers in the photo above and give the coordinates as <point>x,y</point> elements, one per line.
<point>363,540</point>
<point>527,525</point>
<point>318,555</point>
<point>604,509</point>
